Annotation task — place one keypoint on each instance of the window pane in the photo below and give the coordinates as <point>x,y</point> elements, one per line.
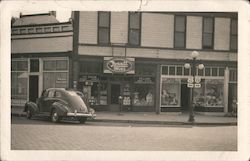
<point>221,71</point>
<point>104,19</point>
<point>104,35</point>
<point>214,71</point>
<point>23,31</point>
<point>39,30</point>
<point>165,70</point>
<point>180,23</point>
<point>134,21</point>
<point>13,65</point>
<point>56,29</point>
<point>47,29</point>
<point>179,71</point>
<point>31,30</point>
<point>171,70</point>
<point>207,72</point>
<point>207,41</point>
<point>134,37</point>
<point>208,25</point>
<point>186,71</point>
<point>179,40</point>
<point>200,72</point>
<point>61,65</point>
<point>34,65</point>
<point>49,65</point>
<point>48,80</point>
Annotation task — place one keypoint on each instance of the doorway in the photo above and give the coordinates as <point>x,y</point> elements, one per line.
<point>115,93</point>
<point>33,88</point>
<point>184,97</point>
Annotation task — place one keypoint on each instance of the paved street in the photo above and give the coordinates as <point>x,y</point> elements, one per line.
<point>41,134</point>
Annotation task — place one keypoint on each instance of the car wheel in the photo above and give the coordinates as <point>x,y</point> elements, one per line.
<point>54,116</point>
<point>82,120</point>
<point>28,114</point>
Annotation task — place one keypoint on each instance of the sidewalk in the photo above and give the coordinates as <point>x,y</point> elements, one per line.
<point>153,118</point>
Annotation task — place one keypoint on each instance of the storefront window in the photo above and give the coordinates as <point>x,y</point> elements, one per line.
<point>170,93</point>
<point>19,82</point>
<point>143,95</point>
<point>214,93</point>
<point>199,98</point>
<point>55,74</point>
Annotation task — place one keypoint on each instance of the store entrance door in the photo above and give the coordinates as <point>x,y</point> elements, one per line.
<point>184,97</point>
<point>115,93</point>
<point>33,88</point>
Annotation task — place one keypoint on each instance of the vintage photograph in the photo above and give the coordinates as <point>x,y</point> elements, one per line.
<point>124,81</point>
<point>135,80</point>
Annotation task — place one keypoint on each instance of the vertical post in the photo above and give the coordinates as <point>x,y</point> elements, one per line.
<point>226,81</point>
<point>158,89</point>
<point>191,103</point>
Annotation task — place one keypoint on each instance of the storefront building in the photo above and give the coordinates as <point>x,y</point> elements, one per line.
<point>140,56</point>
<point>41,49</point>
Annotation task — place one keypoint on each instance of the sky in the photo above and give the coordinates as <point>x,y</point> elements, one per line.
<point>61,16</point>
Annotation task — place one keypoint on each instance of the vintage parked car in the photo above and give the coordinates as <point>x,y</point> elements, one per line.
<point>60,103</point>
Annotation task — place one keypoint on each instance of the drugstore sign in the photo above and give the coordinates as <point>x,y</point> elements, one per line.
<point>119,65</point>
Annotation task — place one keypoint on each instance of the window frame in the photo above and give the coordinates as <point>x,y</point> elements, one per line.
<point>134,29</point>
<point>233,35</point>
<point>203,33</point>
<point>101,27</point>
<point>183,32</point>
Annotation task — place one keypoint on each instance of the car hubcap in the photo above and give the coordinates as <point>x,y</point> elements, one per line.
<point>55,117</point>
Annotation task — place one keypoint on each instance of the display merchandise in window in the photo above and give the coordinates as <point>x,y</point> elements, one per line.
<point>143,95</point>
<point>199,98</point>
<point>170,93</point>
<point>126,95</point>
<point>103,93</point>
<point>214,93</point>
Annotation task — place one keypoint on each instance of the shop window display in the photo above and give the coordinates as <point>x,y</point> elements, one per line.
<point>214,93</point>
<point>170,93</point>
<point>199,98</point>
<point>143,95</point>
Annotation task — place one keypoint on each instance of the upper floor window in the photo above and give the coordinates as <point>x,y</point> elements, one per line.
<point>104,27</point>
<point>234,35</point>
<point>134,28</point>
<point>208,33</point>
<point>179,31</point>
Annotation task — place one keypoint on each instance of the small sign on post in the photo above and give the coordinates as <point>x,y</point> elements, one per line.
<point>190,85</point>
<point>197,85</point>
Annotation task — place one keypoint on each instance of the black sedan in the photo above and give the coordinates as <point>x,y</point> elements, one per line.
<point>60,103</point>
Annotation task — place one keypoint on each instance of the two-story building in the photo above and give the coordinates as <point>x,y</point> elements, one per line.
<point>41,48</point>
<point>141,55</point>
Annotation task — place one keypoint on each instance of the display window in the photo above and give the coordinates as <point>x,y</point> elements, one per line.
<point>19,82</point>
<point>214,93</point>
<point>143,95</point>
<point>55,74</point>
<point>170,92</point>
<point>199,98</point>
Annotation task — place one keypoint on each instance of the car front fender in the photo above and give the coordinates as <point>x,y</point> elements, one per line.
<point>60,108</point>
<point>31,106</point>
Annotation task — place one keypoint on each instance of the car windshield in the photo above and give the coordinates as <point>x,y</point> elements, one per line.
<point>75,99</point>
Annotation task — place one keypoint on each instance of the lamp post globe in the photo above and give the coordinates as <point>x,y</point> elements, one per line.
<point>201,66</point>
<point>194,54</point>
<point>187,65</point>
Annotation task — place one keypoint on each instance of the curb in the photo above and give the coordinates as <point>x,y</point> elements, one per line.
<point>153,122</point>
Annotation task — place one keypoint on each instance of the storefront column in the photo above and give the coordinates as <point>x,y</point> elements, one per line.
<point>158,88</point>
<point>226,81</point>
<point>75,72</point>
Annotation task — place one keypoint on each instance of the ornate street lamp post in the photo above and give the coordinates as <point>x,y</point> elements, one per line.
<point>193,83</point>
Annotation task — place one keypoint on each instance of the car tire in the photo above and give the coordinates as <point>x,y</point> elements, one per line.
<point>54,116</point>
<point>83,120</point>
<point>28,114</point>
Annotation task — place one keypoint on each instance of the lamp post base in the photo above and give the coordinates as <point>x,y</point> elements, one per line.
<point>191,118</point>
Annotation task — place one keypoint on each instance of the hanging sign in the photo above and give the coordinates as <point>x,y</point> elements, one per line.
<point>119,65</point>
<point>190,85</point>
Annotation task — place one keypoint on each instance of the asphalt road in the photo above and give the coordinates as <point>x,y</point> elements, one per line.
<point>41,134</point>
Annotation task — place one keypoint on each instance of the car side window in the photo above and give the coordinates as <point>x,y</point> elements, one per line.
<point>51,94</point>
<point>44,93</point>
<point>58,94</point>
